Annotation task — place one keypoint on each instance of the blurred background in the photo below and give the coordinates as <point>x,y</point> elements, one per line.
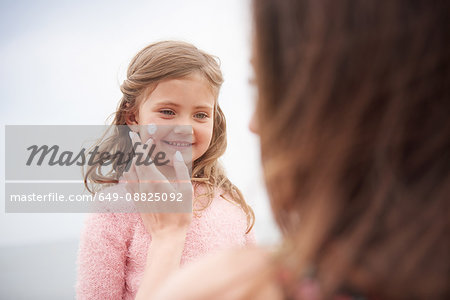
<point>62,62</point>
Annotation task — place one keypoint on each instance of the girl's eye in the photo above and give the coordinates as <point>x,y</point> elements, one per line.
<point>167,112</point>
<point>201,115</point>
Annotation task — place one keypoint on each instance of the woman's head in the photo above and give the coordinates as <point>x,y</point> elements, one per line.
<point>353,118</point>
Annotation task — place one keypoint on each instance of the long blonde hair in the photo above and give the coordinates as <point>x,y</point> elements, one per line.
<point>161,61</point>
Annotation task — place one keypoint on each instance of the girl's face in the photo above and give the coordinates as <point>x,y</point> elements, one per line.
<point>186,106</point>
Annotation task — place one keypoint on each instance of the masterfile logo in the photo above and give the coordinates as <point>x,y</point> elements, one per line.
<point>46,168</point>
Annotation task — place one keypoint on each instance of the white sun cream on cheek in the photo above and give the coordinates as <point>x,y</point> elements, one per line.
<point>151,128</point>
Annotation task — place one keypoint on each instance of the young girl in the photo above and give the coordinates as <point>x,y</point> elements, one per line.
<point>168,83</point>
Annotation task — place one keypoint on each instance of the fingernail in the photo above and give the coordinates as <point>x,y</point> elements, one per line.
<point>178,156</point>
<point>151,128</point>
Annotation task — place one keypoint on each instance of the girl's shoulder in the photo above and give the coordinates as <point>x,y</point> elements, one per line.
<point>217,198</point>
<point>110,206</point>
<point>227,217</point>
<point>116,200</point>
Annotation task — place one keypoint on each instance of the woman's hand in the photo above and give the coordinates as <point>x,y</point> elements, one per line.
<point>168,230</point>
<point>148,179</point>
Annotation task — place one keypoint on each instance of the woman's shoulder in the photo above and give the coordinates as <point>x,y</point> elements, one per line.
<point>232,274</point>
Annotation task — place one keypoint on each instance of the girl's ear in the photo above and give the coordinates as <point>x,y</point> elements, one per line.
<point>131,120</point>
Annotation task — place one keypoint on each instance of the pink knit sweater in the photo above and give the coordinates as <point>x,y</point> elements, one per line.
<point>113,246</point>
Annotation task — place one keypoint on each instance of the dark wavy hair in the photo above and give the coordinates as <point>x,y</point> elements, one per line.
<point>353,110</point>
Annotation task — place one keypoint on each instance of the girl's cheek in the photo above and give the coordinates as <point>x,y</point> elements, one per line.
<point>204,139</point>
<point>148,118</point>
<point>205,131</point>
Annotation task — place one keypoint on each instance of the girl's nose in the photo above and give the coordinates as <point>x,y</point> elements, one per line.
<point>183,129</point>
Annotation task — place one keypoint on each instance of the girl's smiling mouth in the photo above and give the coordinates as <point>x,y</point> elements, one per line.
<point>178,144</point>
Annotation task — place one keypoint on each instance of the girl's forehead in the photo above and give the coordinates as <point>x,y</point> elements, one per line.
<point>194,88</point>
